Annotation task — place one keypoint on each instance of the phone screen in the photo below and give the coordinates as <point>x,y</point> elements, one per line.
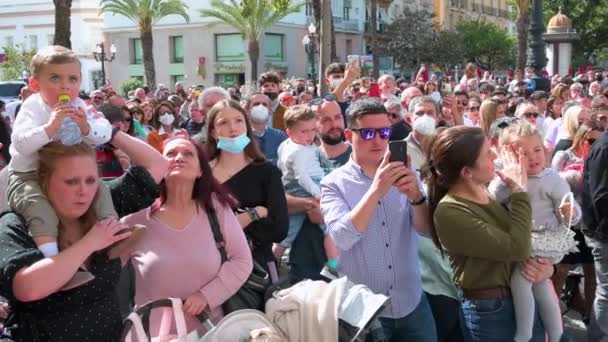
<point>398,151</point>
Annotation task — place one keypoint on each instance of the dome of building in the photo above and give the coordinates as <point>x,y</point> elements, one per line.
<point>559,22</point>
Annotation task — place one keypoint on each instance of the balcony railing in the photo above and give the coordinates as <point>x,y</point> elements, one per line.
<point>351,25</point>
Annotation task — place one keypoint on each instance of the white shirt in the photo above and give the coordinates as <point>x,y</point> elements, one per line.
<point>301,163</point>
<point>29,135</point>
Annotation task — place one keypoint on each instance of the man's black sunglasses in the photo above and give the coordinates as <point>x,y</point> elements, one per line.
<point>370,133</point>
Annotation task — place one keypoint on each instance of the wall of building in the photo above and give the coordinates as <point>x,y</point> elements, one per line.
<point>201,64</point>
<point>30,24</point>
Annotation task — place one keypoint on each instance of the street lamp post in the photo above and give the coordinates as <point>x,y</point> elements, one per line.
<point>309,45</point>
<point>100,56</point>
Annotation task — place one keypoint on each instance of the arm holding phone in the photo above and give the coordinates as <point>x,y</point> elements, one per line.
<point>409,186</point>
<point>352,72</point>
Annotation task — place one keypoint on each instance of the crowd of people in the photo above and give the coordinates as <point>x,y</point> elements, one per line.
<point>472,237</point>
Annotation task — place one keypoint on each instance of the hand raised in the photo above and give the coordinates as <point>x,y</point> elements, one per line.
<point>514,169</point>
<point>104,234</point>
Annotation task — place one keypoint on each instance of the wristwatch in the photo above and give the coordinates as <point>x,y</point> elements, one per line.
<point>253,214</point>
<point>418,202</point>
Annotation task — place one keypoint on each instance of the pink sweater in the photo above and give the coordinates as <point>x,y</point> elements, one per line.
<point>176,263</point>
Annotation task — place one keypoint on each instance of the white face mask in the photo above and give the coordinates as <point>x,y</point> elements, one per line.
<point>311,89</point>
<point>335,82</point>
<point>259,113</point>
<point>167,119</point>
<point>425,125</point>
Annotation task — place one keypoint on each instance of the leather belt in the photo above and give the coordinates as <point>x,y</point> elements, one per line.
<point>481,294</point>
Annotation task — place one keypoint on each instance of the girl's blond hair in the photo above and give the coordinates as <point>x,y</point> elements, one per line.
<point>520,129</point>
<point>571,120</point>
<point>487,115</point>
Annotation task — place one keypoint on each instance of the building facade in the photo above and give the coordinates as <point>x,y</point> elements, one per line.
<point>30,24</point>
<point>205,52</point>
<point>450,13</point>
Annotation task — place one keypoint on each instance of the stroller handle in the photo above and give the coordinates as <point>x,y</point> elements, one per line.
<point>144,312</point>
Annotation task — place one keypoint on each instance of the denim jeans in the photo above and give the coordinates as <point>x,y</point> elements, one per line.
<point>493,320</point>
<point>418,326</point>
<point>598,328</point>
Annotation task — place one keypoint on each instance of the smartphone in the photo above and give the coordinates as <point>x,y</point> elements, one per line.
<point>398,151</point>
<point>354,60</point>
<point>446,88</point>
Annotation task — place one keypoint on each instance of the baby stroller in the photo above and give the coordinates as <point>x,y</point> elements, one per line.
<point>239,325</point>
<point>355,321</point>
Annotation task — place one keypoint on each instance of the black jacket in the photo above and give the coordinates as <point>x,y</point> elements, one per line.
<point>595,191</point>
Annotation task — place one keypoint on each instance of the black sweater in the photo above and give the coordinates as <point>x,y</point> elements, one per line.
<point>260,185</point>
<point>595,191</point>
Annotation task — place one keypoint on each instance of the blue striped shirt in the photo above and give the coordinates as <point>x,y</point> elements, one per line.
<point>385,258</point>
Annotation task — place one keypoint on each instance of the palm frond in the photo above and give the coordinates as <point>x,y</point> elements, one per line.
<point>145,12</point>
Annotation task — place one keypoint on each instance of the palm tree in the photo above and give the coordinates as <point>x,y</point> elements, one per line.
<point>251,18</point>
<point>146,13</point>
<point>63,12</point>
<point>522,23</point>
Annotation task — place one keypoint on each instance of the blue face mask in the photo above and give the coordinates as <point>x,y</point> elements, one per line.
<point>233,145</point>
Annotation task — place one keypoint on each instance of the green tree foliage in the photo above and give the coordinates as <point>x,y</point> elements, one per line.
<point>486,44</point>
<point>410,38</point>
<point>130,84</point>
<point>589,18</point>
<point>17,62</point>
<point>251,18</point>
<point>145,13</point>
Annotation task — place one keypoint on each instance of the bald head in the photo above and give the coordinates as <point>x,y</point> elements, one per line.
<point>408,94</point>
<point>117,101</point>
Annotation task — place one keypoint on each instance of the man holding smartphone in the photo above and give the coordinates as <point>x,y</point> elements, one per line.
<point>374,210</point>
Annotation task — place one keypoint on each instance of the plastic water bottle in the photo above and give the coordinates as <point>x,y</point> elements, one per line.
<point>69,133</point>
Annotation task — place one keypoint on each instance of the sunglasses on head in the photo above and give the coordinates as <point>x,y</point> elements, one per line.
<point>370,133</point>
<point>530,114</point>
<point>319,100</point>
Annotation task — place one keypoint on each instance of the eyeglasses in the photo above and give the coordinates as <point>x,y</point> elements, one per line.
<point>96,98</point>
<point>253,104</point>
<point>474,109</point>
<point>602,118</point>
<point>319,100</point>
<point>590,141</point>
<point>464,103</point>
<point>370,133</point>
<point>394,116</point>
<point>530,114</point>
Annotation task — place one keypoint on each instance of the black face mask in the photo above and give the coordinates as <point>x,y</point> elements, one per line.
<point>300,89</point>
<point>272,96</point>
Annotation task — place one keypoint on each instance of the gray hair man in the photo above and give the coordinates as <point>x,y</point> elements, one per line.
<point>210,96</point>
<point>400,128</point>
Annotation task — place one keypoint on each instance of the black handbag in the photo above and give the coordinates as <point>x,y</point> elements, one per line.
<point>251,294</point>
